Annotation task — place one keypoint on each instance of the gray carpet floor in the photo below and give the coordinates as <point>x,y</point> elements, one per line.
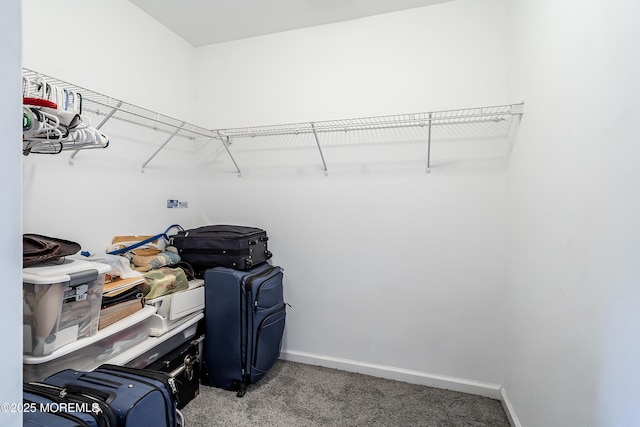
<point>296,394</point>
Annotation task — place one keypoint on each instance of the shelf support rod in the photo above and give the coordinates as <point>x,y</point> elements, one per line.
<point>516,110</point>
<point>105,120</point>
<point>226,147</point>
<point>429,146</point>
<point>315,134</point>
<point>163,145</point>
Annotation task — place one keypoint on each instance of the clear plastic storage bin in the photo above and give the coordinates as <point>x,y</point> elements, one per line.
<point>164,344</point>
<point>61,303</point>
<point>88,353</point>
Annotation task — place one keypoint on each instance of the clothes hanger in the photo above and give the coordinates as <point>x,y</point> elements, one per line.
<point>52,120</point>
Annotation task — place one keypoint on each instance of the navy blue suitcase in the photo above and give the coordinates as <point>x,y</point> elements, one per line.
<point>245,317</point>
<point>138,397</point>
<point>46,405</point>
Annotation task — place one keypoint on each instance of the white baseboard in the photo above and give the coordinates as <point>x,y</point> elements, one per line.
<point>508,408</point>
<point>389,372</point>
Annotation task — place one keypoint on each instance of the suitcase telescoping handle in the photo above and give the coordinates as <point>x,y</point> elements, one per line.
<point>261,239</point>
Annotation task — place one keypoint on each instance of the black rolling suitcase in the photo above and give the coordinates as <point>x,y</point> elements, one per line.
<point>137,397</point>
<point>232,246</point>
<point>244,323</point>
<point>183,364</point>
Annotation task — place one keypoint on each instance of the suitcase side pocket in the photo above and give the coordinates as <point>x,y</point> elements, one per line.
<point>268,343</point>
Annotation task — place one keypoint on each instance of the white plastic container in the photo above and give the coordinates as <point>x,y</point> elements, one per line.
<point>61,303</point>
<point>174,308</point>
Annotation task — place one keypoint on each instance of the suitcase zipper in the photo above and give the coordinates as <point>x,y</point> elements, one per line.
<point>255,352</point>
<point>255,302</point>
<point>163,377</point>
<point>248,285</point>
<point>249,279</point>
<point>60,395</point>
<point>218,232</point>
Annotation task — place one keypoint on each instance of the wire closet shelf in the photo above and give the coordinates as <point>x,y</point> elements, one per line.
<point>448,117</point>
<point>114,109</point>
<point>103,104</point>
<point>465,116</point>
<point>109,108</point>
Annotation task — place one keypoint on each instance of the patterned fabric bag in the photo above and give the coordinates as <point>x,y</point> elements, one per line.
<point>164,281</point>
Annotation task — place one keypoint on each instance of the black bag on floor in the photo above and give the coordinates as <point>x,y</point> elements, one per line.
<point>233,246</point>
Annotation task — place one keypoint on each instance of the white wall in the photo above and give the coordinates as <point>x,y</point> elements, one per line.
<point>112,48</point>
<point>10,176</point>
<point>437,57</point>
<point>572,293</point>
<point>384,264</point>
<point>118,50</point>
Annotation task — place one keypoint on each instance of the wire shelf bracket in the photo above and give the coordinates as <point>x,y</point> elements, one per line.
<point>429,145</point>
<point>225,142</point>
<point>144,165</point>
<point>324,163</point>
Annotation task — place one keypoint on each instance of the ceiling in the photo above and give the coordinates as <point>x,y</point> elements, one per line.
<point>202,22</point>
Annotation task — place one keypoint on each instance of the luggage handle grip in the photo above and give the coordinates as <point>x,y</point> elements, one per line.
<point>100,394</point>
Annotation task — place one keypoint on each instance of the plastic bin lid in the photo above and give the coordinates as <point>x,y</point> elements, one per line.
<point>56,272</point>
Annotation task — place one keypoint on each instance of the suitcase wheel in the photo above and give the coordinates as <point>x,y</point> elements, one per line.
<point>242,390</point>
